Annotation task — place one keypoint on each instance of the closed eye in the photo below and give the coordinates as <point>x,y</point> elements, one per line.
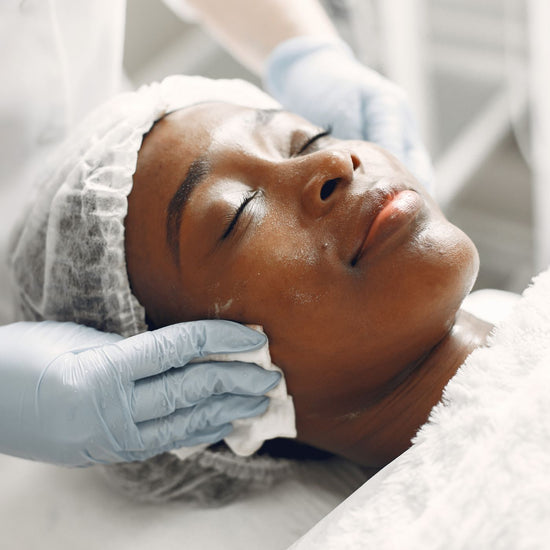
<point>312,140</point>
<point>236,214</point>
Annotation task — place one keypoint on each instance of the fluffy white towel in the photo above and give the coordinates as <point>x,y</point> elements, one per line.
<point>478,474</point>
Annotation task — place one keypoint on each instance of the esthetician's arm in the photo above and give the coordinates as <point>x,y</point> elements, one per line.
<point>250,29</point>
<point>312,72</point>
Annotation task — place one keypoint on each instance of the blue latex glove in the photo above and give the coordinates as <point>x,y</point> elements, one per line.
<point>321,80</point>
<point>74,396</point>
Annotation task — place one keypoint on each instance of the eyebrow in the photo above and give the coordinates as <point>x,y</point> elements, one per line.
<point>196,173</point>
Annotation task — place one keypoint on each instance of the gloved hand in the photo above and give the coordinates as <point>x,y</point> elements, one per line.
<point>320,79</point>
<point>74,396</point>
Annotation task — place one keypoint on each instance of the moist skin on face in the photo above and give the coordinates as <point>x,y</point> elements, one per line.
<point>270,235</point>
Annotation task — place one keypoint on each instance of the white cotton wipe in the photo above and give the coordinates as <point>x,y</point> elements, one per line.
<point>278,420</point>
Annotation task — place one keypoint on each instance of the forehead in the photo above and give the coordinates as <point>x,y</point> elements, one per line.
<point>175,141</point>
<point>194,126</point>
<point>199,127</point>
<point>211,121</point>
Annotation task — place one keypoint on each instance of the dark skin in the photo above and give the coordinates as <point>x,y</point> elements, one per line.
<point>336,250</point>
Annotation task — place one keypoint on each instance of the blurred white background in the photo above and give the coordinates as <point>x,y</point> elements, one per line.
<point>465,65</point>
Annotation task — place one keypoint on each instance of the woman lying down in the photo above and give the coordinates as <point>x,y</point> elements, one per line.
<point>195,199</point>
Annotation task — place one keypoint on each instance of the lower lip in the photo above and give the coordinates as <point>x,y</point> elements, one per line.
<point>395,215</point>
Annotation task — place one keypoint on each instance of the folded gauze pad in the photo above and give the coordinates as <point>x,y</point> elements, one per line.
<point>250,433</point>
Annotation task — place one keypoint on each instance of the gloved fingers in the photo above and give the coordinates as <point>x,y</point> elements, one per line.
<point>208,437</point>
<point>163,394</point>
<point>174,346</point>
<point>409,149</point>
<point>186,425</point>
<point>388,121</point>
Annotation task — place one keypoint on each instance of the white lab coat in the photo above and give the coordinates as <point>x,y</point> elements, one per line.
<point>59,59</point>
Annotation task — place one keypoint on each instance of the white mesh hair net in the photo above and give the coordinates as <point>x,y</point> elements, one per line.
<point>67,255</point>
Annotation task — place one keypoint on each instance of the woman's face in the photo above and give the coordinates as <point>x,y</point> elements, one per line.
<point>331,245</point>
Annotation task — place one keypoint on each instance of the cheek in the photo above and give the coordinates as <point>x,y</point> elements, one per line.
<point>288,285</point>
<point>342,328</point>
<point>421,293</point>
<point>453,260</point>
<point>310,327</point>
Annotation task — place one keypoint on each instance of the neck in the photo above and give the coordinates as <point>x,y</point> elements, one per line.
<point>383,430</point>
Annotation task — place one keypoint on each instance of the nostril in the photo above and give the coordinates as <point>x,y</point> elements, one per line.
<point>327,189</point>
<point>355,161</point>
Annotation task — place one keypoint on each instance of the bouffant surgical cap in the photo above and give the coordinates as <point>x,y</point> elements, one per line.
<point>67,255</point>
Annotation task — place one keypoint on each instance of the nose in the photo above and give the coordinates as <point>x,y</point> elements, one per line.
<point>325,174</point>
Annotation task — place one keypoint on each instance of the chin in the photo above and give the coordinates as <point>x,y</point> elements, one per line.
<point>448,270</point>
<point>468,267</point>
<point>461,274</point>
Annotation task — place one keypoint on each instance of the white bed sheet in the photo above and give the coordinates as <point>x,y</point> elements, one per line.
<point>47,507</point>
<point>329,525</point>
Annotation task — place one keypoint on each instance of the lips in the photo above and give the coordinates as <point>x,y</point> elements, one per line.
<point>386,212</point>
